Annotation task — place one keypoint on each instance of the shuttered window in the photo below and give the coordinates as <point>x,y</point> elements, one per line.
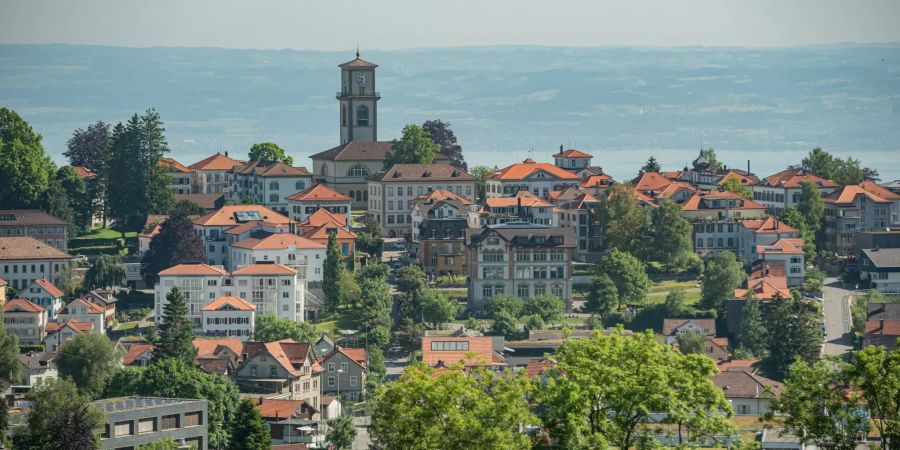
<point>147,425</point>
<point>193,419</point>
<point>124,428</point>
<point>169,422</point>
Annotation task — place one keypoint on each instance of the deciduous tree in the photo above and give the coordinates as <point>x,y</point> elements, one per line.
<point>677,305</point>
<point>549,308</point>
<point>603,296</point>
<point>9,356</point>
<point>24,168</point>
<point>691,344</point>
<point>414,147</point>
<point>60,418</point>
<point>175,244</point>
<point>505,325</point>
<point>625,224</point>
<point>723,273</point>
<point>176,339</point>
<point>89,360</point>
<point>481,173</point>
<point>107,271</point>
<point>441,134</point>
<point>627,273</point>
<point>733,184</point>
<point>437,309</point>
<point>670,236</point>
<point>88,147</point>
<point>376,299</point>
<point>794,218</point>
<point>250,431</point>
<point>811,206</point>
<point>271,329</point>
<point>269,152</point>
<point>710,155</point>
<point>876,373</point>
<point>341,432</point>
<point>506,303</point>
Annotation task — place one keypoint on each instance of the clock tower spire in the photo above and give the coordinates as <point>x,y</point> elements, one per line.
<point>358,101</point>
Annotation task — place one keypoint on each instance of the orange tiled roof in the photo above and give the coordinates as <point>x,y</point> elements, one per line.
<point>81,327</point>
<point>265,269</point>
<point>207,346</point>
<point>283,409</point>
<point>254,224</point>
<point>321,232</point>
<point>572,153</point>
<point>323,216</point>
<point>791,178</point>
<point>135,351</point>
<point>528,200</point>
<point>595,181</point>
<point>173,165</point>
<point>22,304</point>
<point>764,288</point>
<point>891,327</point>
<point>193,269</point>
<point>480,346</point>
<point>698,201</point>
<point>51,289</point>
<point>225,215</point>
<point>737,364</point>
<point>650,181</point>
<point>768,225</point>
<point>215,162</point>
<point>674,188</point>
<point>443,194</point>
<point>670,325</point>
<point>318,193</point>
<point>277,241</point>
<point>745,180</point>
<point>235,302</point>
<point>357,355</point>
<point>3,282</point>
<point>847,195</point>
<point>879,190</point>
<point>782,246</point>
<point>535,369</point>
<point>27,247</point>
<point>672,175</point>
<point>525,169</point>
<point>92,307</point>
<point>84,172</point>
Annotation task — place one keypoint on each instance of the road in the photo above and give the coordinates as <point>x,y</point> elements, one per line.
<point>837,318</point>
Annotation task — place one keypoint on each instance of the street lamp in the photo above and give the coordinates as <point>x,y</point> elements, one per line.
<point>339,372</point>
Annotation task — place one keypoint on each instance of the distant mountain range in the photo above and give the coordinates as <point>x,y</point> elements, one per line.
<point>505,103</point>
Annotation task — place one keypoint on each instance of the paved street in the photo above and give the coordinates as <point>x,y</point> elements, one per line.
<point>837,318</point>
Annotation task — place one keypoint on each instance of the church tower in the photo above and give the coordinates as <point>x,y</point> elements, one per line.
<point>359,101</point>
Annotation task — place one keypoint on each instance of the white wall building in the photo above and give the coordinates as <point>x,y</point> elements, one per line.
<point>25,320</point>
<point>781,191</point>
<point>269,184</point>
<point>43,293</point>
<point>305,203</point>
<point>221,228</point>
<point>24,259</point>
<point>229,316</point>
<point>305,256</point>
<point>538,178</point>
<point>85,311</point>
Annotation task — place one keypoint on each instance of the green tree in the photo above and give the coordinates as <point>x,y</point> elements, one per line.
<point>753,336</point>
<point>341,432</point>
<point>410,336</point>
<point>534,322</point>
<point>373,269</point>
<point>691,344</point>
<point>78,197</point>
<point>175,244</point>
<point>452,409</point>
<point>626,225</point>
<point>510,304</point>
<point>813,280</point>
<point>187,208</point>
<point>268,152</point>
<point>24,168</point>
<point>437,308</point>
<point>88,147</point>
<point>505,325</point>
<point>627,273</point>
<point>411,280</point>
<point>710,155</point>
<point>376,371</point>
<point>89,360</point>
<point>174,378</point>
<point>652,165</point>
<point>250,430</point>
<point>166,444</point>
<point>815,411</point>
<point>175,340</point>
<point>876,373</point>
<point>794,218</point>
<point>733,184</point>
<point>841,171</point>
<point>9,356</point>
<point>723,273</point>
<point>377,300</point>
<point>677,305</point>
<point>271,329</point>
<point>369,244</point>
<point>61,418</point>
<point>811,206</point>
<point>604,389</point>
<point>332,274</point>
<point>793,335</point>
<point>414,147</point>
<point>440,132</point>
<point>549,308</point>
<point>55,201</point>
<point>670,236</point>
<point>107,271</point>
<point>603,296</point>
<point>481,173</point>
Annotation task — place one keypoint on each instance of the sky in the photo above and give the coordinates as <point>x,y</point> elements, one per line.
<point>396,24</point>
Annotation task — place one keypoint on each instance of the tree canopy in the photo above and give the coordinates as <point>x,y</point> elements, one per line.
<point>753,336</point>
<point>341,432</point>
<point>250,430</point>
<point>414,147</point>
<point>481,173</point>
<point>175,244</point>
<point>107,271</point>
<point>652,165</point>
<point>270,329</point>
<point>794,335</point>
<point>24,168</point>
<point>268,152</point>
<point>175,339</point>
<point>334,267</point>
<point>89,360</point>
<point>671,234</point>
<point>441,134</point>
<point>628,275</point>
<point>88,147</point>
<point>60,418</point>
<point>733,184</point>
<point>9,355</point>
<point>723,273</point>
<point>841,171</point>
<point>626,224</point>
<point>811,206</point>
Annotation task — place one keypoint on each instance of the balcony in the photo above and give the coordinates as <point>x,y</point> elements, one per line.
<point>340,94</point>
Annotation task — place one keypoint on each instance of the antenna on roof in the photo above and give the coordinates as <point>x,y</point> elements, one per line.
<point>357,50</point>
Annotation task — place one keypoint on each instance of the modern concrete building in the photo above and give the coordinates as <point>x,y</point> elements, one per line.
<point>135,421</point>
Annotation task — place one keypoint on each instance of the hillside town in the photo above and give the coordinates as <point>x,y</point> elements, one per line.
<point>387,295</point>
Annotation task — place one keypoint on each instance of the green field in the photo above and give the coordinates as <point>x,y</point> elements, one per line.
<point>343,320</point>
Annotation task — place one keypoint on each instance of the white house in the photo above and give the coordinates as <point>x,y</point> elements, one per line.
<point>58,333</point>
<point>303,204</point>
<point>781,191</point>
<point>25,320</point>
<point>881,267</point>
<point>269,184</point>
<point>229,316</point>
<point>522,207</point>
<point>790,252</point>
<point>233,220</point>
<point>672,328</point>
<point>37,366</point>
<point>749,394</point>
<point>43,293</point>
<point>85,311</point>
<point>305,256</point>
<point>538,178</point>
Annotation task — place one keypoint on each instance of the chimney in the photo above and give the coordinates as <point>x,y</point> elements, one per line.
<point>748,166</point>
<point>519,207</point>
<point>226,153</point>
<point>560,148</point>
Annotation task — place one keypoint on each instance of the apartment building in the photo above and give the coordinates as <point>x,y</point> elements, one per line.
<point>36,224</point>
<point>25,259</point>
<point>781,191</point>
<point>228,316</point>
<point>740,237</point>
<point>579,211</point>
<point>230,224</point>
<point>712,205</point>
<point>572,160</point>
<point>855,208</point>
<point>538,178</point>
<point>304,255</point>
<point>344,373</point>
<point>521,259</point>
<point>213,175</point>
<point>25,320</point>
<point>391,191</point>
<point>180,177</point>
<point>787,253</point>
<point>524,206</point>
<point>305,203</point>
<point>440,221</point>
<point>58,333</point>
<point>268,183</point>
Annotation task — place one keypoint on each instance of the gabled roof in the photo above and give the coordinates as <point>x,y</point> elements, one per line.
<point>322,231</point>
<point>278,241</point>
<point>743,384</point>
<point>135,351</point>
<point>442,194</point>
<point>264,268</point>
<point>526,234</point>
<point>650,181</point>
<point>572,153</point>
<point>22,305</point>
<point>84,172</point>
<point>765,288</point>
<point>37,360</point>
<point>356,151</point>
<point>318,193</point>
<point>50,288</point>
<point>357,355</point>
<point>596,181</point>
<point>675,188</point>
<point>205,201</point>
<point>879,190</point>
<point>237,214</point>
<point>527,168</point>
<point>252,225</point>
<point>791,178</point>
<point>74,325</point>
<point>784,246</point>
<point>288,354</point>
<point>702,200</point>
<point>527,199</point>
<point>767,225</point>
<point>26,247</point>
<point>193,269</point>
<point>215,162</point>
<point>28,217</point>
<point>846,195</point>
<point>883,258</point>
<point>233,302</point>
<point>93,308</point>
<point>3,282</point>
<point>212,346</point>
<point>422,173</point>
<point>535,369</point>
<point>272,169</point>
<point>744,179</point>
<point>671,325</point>
<point>172,165</point>
<point>323,216</point>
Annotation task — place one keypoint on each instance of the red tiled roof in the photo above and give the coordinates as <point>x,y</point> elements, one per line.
<point>84,172</point>
<point>768,225</point>
<point>423,173</point>
<point>283,409</point>
<point>215,162</point>
<point>670,325</point>
<point>765,288</point>
<point>745,180</point>
<point>81,327</point>
<point>890,328</point>
<point>672,175</point>
<point>737,364</point>
<point>278,241</point>
<point>22,304</point>
<point>92,307</point>
<point>699,201</point>
<point>135,351</point>
<point>173,165</point>
<point>525,169</point>
<point>527,198</point>
<point>264,269</point>
<point>480,346</point>
<point>323,216</point>
<point>595,181</point>
<point>674,188</point>
<point>742,384</point>
<point>318,193</point>
<point>535,369</point>
<point>321,232</point>
<point>225,215</point>
<point>442,194</point>
<point>54,291</point>
<point>791,178</point>
<point>847,195</point>
<point>879,190</point>
<point>781,247</point>
<point>208,346</point>
<point>572,153</point>
<point>3,282</point>
<point>193,269</point>
<point>234,302</point>
<point>357,355</point>
<point>650,181</point>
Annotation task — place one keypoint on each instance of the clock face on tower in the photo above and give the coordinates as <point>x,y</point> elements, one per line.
<point>362,80</point>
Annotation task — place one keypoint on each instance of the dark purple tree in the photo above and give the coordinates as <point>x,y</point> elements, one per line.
<point>443,136</point>
<point>86,147</point>
<point>176,243</point>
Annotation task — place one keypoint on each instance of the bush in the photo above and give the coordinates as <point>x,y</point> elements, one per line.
<point>31,348</point>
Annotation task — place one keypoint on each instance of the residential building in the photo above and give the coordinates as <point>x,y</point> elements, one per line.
<point>714,236</point>
<point>43,293</point>
<point>37,366</point>
<point>440,216</point>
<point>213,175</point>
<point>788,253</point>
<point>521,207</point>
<point>347,167</point>
<point>219,355</point>
<point>324,346</point>
<point>304,255</point>
<point>657,187</point>
<point>303,204</point>
<point>285,368</point>
<point>749,394</point>
<point>672,328</point>
<point>767,231</point>
<point>24,259</point>
<point>344,373</point>
<point>292,423</point>
<point>84,311</point>
<point>882,325</point>
<point>596,184</point>
<point>269,183</point>
<point>520,259</point>
<point>200,284</point>
<point>106,299</point>
<point>58,333</point>
<point>228,316</point>
<point>36,224</point>
<point>152,227</point>
<point>138,354</point>
<point>469,351</point>
<point>179,176</point>
<point>209,202</point>
<point>711,205</point>
<point>580,211</point>
<point>781,191</point>
<point>134,421</point>
<point>391,191</point>
<point>572,160</point>
<point>234,220</point>
<point>538,178</point>
<point>322,224</point>
<point>879,239</point>
<point>881,268</point>
<point>25,320</point>
<point>703,175</point>
<point>854,208</point>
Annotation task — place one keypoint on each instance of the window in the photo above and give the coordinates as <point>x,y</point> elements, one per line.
<point>273,185</point>
<point>300,185</point>
<point>450,346</point>
<point>352,381</point>
<point>273,198</point>
<point>331,367</point>
<point>358,170</point>
<point>540,289</point>
<point>147,425</point>
<point>273,371</point>
<point>330,381</point>
<point>523,291</point>
<point>124,428</point>
<point>193,419</point>
<point>362,116</point>
<point>343,367</point>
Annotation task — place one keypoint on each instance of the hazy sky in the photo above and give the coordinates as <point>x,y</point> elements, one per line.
<point>392,24</point>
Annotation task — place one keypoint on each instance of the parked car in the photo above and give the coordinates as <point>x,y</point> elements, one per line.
<point>400,245</point>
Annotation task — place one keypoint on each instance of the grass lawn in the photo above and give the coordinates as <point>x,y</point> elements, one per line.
<point>668,285</point>
<point>343,320</point>
<point>126,326</point>
<point>106,233</point>
<point>660,297</point>
<point>892,298</point>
